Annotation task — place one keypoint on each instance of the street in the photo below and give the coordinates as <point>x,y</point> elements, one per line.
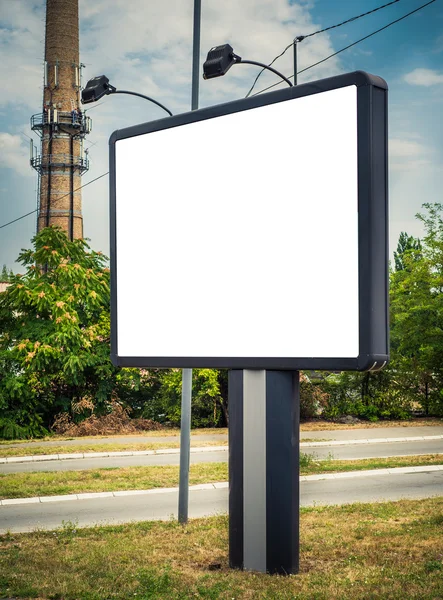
<point>205,502</point>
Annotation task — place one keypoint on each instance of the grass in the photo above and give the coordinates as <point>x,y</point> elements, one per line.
<point>167,431</point>
<point>98,447</point>
<point>27,485</point>
<point>370,551</point>
<point>316,467</point>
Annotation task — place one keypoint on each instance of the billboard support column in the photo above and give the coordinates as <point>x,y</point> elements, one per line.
<point>264,455</point>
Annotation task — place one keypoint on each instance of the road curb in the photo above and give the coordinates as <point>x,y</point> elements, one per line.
<point>217,485</point>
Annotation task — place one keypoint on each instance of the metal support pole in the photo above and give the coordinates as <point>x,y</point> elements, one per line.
<point>185,425</point>
<point>264,457</point>
<point>185,443</point>
<point>196,54</point>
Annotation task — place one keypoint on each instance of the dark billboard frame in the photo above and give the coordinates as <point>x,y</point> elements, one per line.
<point>372,228</point>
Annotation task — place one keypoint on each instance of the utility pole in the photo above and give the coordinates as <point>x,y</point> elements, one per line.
<point>298,39</point>
<point>185,422</point>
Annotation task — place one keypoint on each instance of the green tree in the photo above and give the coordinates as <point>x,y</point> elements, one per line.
<point>412,377</point>
<point>370,396</point>
<point>209,405</point>
<point>54,335</point>
<point>417,315</point>
<point>5,275</point>
<point>407,244</point>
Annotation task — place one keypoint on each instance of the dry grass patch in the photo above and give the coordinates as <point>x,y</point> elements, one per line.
<point>146,435</point>
<point>97,447</point>
<point>371,551</point>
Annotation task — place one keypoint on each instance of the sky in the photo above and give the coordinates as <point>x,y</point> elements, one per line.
<point>147,47</point>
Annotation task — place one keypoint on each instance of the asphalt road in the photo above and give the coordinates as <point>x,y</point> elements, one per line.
<point>162,506</point>
<point>348,452</point>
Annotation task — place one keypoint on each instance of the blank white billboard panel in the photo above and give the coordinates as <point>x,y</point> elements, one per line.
<point>235,237</point>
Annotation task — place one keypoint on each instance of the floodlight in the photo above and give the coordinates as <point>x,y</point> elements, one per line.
<point>97,87</point>
<point>221,58</point>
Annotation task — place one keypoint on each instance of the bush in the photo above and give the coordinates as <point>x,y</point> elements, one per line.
<point>313,399</point>
<point>116,421</point>
<point>11,430</point>
<point>209,407</point>
<point>370,396</point>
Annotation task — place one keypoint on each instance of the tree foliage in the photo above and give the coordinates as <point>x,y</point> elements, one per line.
<point>209,398</point>
<point>407,246</point>
<point>54,333</point>
<point>417,315</point>
<point>413,381</point>
<point>6,274</point>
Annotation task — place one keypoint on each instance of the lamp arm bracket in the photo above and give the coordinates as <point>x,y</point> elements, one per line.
<point>259,64</point>
<point>115,91</point>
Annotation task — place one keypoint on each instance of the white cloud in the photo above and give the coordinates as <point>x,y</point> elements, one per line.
<point>14,154</point>
<point>22,49</point>
<point>424,77</point>
<point>410,148</point>
<point>408,153</point>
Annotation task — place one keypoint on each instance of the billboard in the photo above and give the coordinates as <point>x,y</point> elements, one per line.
<point>253,234</point>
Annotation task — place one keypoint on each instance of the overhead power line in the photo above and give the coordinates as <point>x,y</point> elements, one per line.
<point>350,45</point>
<point>369,12</point>
<point>18,219</point>
<point>35,210</point>
<point>303,37</point>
